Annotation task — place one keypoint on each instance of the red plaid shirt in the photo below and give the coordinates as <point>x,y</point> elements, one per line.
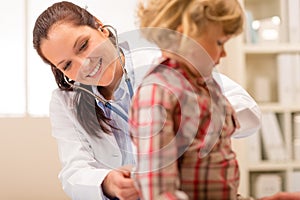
<point>182,125</point>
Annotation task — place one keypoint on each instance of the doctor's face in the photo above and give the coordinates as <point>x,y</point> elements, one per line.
<point>82,53</point>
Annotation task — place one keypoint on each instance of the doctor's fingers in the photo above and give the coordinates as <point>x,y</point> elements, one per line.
<point>125,183</point>
<point>126,190</point>
<point>126,170</point>
<point>128,194</point>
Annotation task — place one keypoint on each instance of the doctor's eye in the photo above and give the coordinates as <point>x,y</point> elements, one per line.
<point>83,45</point>
<point>67,66</point>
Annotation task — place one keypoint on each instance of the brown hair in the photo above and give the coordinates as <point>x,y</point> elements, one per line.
<point>68,12</point>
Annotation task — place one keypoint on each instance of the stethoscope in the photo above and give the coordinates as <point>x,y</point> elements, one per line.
<point>101,100</point>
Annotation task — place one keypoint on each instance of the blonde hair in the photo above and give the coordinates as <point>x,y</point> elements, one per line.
<point>193,16</point>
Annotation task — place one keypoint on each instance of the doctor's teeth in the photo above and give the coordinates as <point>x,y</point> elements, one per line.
<point>95,70</point>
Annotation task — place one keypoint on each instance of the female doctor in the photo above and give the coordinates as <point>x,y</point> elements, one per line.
<point>88,111</point>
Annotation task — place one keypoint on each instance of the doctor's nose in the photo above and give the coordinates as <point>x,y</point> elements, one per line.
<point>85,62</point>
<point>89,61</point>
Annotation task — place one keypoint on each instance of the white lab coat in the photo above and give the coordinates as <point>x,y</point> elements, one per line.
<point>247,110</point>
<point>86,160</point>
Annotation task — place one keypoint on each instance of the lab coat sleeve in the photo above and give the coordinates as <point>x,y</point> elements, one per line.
<point>247,110</point>
<point>81,175</point>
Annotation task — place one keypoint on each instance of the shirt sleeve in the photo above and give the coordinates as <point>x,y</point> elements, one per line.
<point>151,128</point>
<point>247,110</point>
<point>81,175</point>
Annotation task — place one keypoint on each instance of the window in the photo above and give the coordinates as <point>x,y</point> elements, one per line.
<point>40,81</point>
<point>12,85</point>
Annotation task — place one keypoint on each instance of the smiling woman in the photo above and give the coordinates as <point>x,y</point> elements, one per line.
<point>80,54</point>
<point>38,76</point>
<point>89,56</point>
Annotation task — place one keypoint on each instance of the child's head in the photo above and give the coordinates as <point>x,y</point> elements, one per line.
<point>208,22</point>
<point>192,15</point>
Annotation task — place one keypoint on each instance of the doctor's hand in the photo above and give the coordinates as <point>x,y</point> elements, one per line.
<point>283,196</point>
<point>118,184</point>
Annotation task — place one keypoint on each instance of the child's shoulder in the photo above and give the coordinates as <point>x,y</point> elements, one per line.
<point>163,73</point>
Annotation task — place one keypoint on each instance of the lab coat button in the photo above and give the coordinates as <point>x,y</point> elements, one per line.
<point>115,155</point>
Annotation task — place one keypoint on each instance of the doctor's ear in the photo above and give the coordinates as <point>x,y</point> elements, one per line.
<point>104,30</point>
<point>98,23</point>
<point>101,27</point>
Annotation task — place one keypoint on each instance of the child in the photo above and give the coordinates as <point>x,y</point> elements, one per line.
<point>179,119</point>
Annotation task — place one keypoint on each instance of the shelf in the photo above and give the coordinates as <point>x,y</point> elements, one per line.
<point>268,166</point>
<point>276,107</point>
<point>271,48</point>
<point>257,66</point>
<point>296,165</point>
<point>273,166</point>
